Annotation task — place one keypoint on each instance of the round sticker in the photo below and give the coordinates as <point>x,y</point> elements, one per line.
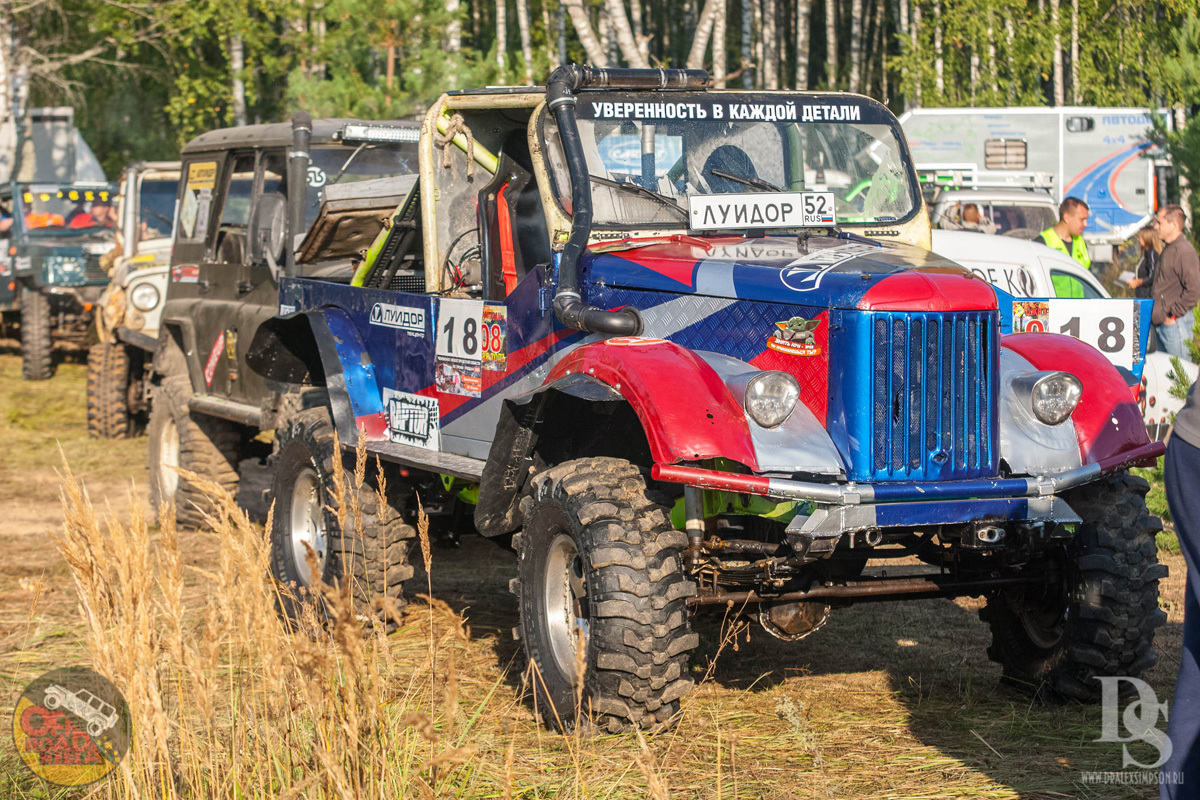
<point>71,726</point>
<point>316,177</point>
<point>629,341</point>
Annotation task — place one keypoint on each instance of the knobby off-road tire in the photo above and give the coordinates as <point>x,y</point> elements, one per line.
<point>108,381</point>
<point>600,567</point>
<point>375,561</point>
<point>1101,623</point>
<point>36,346</point>
<point>207,446</point>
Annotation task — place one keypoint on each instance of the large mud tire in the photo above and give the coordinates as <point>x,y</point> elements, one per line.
<point>1101,621</point>
<point>109,376</point>
<point>599,565</point>
<point>36,344</point>
<point>371,552</point>
<point>207,446</point>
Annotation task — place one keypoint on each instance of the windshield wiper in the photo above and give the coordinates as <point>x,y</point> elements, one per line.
<point>756,183</point>
<point>637,189</point>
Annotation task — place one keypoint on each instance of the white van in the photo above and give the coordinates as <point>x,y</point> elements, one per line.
<point>1020,267</point>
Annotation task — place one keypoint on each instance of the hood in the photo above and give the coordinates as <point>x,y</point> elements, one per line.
<point>825,271</point>
<point>100,242</point>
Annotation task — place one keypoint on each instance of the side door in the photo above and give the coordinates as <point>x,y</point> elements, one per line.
<point>225,253</point>
<point>258,284</point>
<point>7,251</point>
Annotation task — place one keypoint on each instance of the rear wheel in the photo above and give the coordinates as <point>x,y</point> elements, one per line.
<point>179,439</point>
<point>603,598</point>
<point>109,370</point>
<point>1099,620</point>
<point>371,552</point>
<point>36,348</point>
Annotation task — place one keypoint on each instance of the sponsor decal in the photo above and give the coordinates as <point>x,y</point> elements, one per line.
<point>885,232</point>
<point>24,263</point>
<point>1031,316</point>
<point>214,355</point>
<point>316,177</point>
<point>746,107</point>
<point>71,727</point>
<point>495,338</point>
<point>405,318</point>
<point>760,210</point>
<point>285,309</point>
<point>188,274</point>
<point>795,337</point>
<point>460,376</point>
<point>412,419</point>
<point>231,345</point>
<point>805,273</point>
<point>632,341</point>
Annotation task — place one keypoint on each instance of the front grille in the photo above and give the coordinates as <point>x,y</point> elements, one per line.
<point>93,272</point>
<point>933,400</point>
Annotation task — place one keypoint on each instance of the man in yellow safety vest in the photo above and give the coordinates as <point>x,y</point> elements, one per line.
<point>1066,235</point>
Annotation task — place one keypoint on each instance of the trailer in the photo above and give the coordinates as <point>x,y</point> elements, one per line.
<point>1104,156</point>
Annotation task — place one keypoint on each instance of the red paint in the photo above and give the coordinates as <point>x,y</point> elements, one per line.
<point>684,406</point>
<point>927,290</point>
<point>373,427</point>
<point>812,372</point>
<point>708,479</point>
<point>676,261</point>
<point>508,255</point>
<point>1107,421</point>
<point>214,357</point>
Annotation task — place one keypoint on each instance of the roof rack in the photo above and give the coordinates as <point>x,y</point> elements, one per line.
<point>969,176</point>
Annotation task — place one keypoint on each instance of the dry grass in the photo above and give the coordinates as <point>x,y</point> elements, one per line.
<point>887,701</point>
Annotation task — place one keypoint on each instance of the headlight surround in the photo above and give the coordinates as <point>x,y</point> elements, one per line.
<point>1052,395</point>
<point>771,397</point>
<point>144,296</point>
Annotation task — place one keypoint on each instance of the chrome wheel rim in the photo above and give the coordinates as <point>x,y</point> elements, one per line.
<point>168,457</point>
<point>306,524</point>
<point>565,604</point>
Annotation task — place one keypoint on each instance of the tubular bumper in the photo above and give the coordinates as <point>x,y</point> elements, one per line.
<point>858,494</point>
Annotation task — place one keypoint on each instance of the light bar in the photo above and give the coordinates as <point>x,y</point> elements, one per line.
<point>379,133</point>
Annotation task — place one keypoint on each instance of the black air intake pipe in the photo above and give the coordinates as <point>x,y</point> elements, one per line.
<point>560,98</point>
<point>297,174</point>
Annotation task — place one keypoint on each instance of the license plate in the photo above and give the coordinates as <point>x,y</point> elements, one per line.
<point>714,212</point>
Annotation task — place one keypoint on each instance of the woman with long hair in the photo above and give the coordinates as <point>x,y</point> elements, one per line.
<point>1152,247</point>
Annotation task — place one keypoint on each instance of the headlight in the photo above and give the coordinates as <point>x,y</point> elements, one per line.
<point>1052,395</point>
<point>144,297</point>
<point>770,398</point>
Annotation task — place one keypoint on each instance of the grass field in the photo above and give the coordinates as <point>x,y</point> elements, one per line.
<point>887,701</point>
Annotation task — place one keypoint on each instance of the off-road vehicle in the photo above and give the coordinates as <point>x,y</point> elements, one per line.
<point>127,314</point>
<point>606,358</point>
<point>242,193</point>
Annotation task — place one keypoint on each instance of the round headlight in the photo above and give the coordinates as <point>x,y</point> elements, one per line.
<point>1054,396</point>
<point>770,398</point>
<point>144,297</point>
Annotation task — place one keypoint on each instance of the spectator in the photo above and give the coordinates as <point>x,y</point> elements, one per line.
<point>1176,284</point>
<point>1066,235</point>
<point>1180,468</point>
<point>973,220</point>
<point>1152,247</point>
<point>102,215</point>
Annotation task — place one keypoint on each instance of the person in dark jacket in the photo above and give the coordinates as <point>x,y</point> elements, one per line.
<point>1181,472</point>
<point>1176,283</point>
<point>1151,245</point>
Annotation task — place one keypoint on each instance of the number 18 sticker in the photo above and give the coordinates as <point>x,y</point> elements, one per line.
<point>1110,326</point>
<point>459,363</point>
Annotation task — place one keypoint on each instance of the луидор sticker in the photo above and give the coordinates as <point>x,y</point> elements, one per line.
<point>412,419</point>
<point>495,338</point>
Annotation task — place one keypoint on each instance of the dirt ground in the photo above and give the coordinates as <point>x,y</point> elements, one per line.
<point>889,700</point>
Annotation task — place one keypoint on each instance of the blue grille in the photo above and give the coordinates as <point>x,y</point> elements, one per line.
<point>932,397</point>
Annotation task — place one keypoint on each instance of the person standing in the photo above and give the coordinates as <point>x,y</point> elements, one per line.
<point>1176,285</point>
<point>1151,245</point>
<point>1066,235</point>
<point>1181,473</point>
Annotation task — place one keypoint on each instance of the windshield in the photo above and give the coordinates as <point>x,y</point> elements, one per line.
<point>58,208</point>
<point>345,164</point>
<point>648,153</point>
<point>1034,219</point>
<point>157,207</point>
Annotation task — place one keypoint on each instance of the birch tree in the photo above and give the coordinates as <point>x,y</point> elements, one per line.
<point>803,12</point>
<point>1056,45</point>
<point>624,35</point>
<point>501,34</point>
<point>718,49</point>
<point>587,36</point>
<point>831,43</point>
<point>856,43</point>
<point>526,45</point>
<point>770,39</point>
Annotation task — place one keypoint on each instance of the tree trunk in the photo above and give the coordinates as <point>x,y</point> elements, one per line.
<point>993,77</point>
<point>770,45</point>
<point>237,63</point>
<point>639,29</point>
<point>1056,43</point>
<point>597,56</point>
<point>915,38</point>
<point>624,35</point>
<point>501,35</point>
<point>831,53</point>
<point>759,48</point>
<point>708,18</point>
<point>1075,52</point>
<point>526,45</point>
<point>1010,35</point>
<point>939,61</point>
<point>803,15</point>
<point>856,43</point>
<point>454,27</point>
<point>880,47</point>
<point>902,17</point>
<point>718,48</point>
<point>747,45</point>
<point>561,21</point>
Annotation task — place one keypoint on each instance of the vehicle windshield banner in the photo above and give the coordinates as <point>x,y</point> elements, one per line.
<point>751,107</point>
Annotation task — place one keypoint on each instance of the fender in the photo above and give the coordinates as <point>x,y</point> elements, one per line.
<point>1107,420</point>
<point>180,332</point>
<point>684,406</point>
<point>324,344</point>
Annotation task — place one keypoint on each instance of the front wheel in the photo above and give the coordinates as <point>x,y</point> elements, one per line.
<point>1099,620</point>
<point>109,377</point>
<point>603,598</point>
<point>36,347</point>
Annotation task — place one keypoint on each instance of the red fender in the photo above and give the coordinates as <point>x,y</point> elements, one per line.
<point>1107,420</point>
<point>685,408</point>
